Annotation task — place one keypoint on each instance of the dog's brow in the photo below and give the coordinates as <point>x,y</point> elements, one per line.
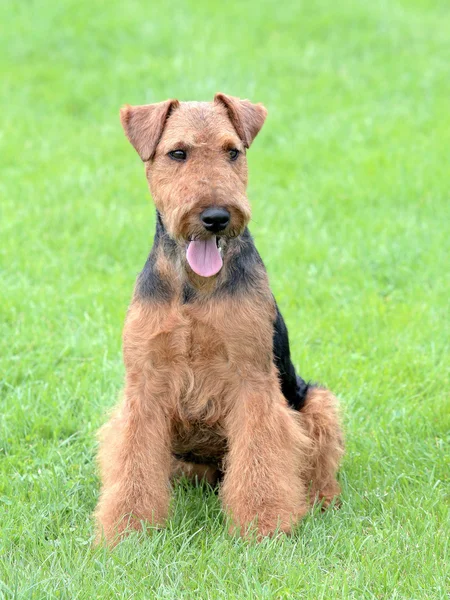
<point>229,142</point>
<point>181,145</point>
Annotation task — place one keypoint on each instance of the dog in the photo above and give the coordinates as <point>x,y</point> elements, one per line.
<point>210,389</point>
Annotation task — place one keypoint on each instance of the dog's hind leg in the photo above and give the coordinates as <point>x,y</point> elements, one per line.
<point>317,411</point>
<point>320,420</point>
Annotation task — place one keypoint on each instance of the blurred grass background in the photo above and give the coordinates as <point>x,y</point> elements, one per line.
<point>349,181</point>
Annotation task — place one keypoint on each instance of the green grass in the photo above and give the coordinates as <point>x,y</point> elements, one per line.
<point>349,181</point>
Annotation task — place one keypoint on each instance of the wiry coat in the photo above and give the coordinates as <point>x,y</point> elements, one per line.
<point>210,388</point>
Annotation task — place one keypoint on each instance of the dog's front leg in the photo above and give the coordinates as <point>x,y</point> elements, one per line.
<point>263,488</point>
<point>135,462</point>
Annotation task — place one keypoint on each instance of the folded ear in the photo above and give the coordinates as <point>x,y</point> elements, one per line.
<point>144,125</point>
<point>247,118</point>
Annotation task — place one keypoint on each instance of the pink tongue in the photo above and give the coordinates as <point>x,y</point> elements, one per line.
<point>203,257</point>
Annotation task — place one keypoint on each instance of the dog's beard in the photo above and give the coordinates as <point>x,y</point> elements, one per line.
<point>202,251</point>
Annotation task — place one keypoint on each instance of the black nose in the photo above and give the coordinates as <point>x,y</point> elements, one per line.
<point>215,219</point>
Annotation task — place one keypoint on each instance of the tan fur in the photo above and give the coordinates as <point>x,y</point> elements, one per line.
<point>197,473</point>
<point>200,377</point>
<point>320,420</point>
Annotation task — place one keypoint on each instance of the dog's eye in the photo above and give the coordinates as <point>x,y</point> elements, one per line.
<point>179,155</point>
<point>233,153</point>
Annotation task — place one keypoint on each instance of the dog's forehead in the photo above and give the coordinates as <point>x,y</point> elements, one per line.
<point>198,122</point>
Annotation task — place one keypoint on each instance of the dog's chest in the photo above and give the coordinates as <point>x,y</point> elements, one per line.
<point>206,367</point>
<point>200,352</point>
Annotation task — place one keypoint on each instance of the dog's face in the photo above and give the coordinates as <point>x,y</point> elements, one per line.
<point>196,168</point>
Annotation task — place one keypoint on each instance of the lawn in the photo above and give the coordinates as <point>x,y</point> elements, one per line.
<point>349,181</point>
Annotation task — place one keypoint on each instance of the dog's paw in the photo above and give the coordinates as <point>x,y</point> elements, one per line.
<point>267,523</point>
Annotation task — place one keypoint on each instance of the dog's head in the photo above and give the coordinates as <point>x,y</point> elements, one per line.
<point>196,167</point>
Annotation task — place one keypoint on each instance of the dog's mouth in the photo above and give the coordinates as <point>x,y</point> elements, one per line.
<point>204,256</point>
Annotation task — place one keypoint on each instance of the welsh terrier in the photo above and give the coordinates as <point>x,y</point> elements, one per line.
<point>210,390</point>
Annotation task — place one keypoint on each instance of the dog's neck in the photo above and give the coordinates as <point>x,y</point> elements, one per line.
<point>167,275</point>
